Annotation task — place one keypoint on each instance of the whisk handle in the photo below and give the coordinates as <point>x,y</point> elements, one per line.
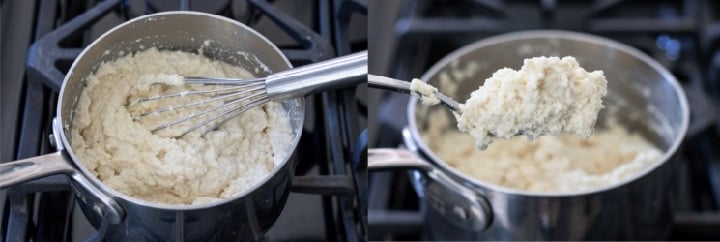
<point>336,73</point>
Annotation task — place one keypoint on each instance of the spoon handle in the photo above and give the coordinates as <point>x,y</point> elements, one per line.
<point>391,84</point>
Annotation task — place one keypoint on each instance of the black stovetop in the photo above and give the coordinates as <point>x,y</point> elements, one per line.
<point>684,36</point>
<point>45,38</point>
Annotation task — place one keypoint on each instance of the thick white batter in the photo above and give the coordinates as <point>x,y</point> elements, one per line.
<point>126,156</point>
<point>547,96</point>
<point>552,164</point>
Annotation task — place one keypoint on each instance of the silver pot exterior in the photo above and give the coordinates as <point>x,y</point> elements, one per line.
<point>242,217</point>
<point>457,207</point>
<point>639,210</point>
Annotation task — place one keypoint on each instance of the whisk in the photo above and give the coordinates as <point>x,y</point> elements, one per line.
<point>235,96</point>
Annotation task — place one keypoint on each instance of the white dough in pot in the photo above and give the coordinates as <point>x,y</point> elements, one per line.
<point>126,156</point>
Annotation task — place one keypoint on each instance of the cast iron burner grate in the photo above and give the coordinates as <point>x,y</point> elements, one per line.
<point>332,139</point>
<point>682,35</point>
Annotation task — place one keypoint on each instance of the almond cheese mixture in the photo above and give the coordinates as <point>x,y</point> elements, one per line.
<point>122,152</point>
<point>425,92</point>
<point>550,164</point>
<point>547,96</point>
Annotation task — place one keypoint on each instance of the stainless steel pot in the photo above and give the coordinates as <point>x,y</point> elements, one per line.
<point>649,99</point>
<point>244,216</point>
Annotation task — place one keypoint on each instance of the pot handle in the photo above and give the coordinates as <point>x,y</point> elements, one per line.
<point>20,171</point>
<point>388,159</point>
<point>15,172</point>
<point>103,205</point>
<point>461,206</point>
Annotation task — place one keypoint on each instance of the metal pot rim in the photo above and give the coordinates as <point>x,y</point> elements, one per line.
<point>118,195</point>
<point>548,34</point>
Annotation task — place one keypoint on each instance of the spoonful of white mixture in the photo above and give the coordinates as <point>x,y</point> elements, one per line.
<point>547,96</point>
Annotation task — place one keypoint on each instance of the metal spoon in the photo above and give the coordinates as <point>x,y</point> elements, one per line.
<point>396,85</point>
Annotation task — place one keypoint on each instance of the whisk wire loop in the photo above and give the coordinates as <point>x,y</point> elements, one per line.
<point>232,101</point>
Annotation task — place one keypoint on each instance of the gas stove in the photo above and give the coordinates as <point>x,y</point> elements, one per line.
<point>681,35</point>
<point>332,197</point>
<point>329,187</point>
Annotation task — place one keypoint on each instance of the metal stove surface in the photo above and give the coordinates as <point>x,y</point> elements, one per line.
<point>682,35</point>
<point>325,200</point>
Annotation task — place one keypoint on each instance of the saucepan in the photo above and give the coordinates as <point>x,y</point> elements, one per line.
<point>244,216</point>
<point>650,102</point>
